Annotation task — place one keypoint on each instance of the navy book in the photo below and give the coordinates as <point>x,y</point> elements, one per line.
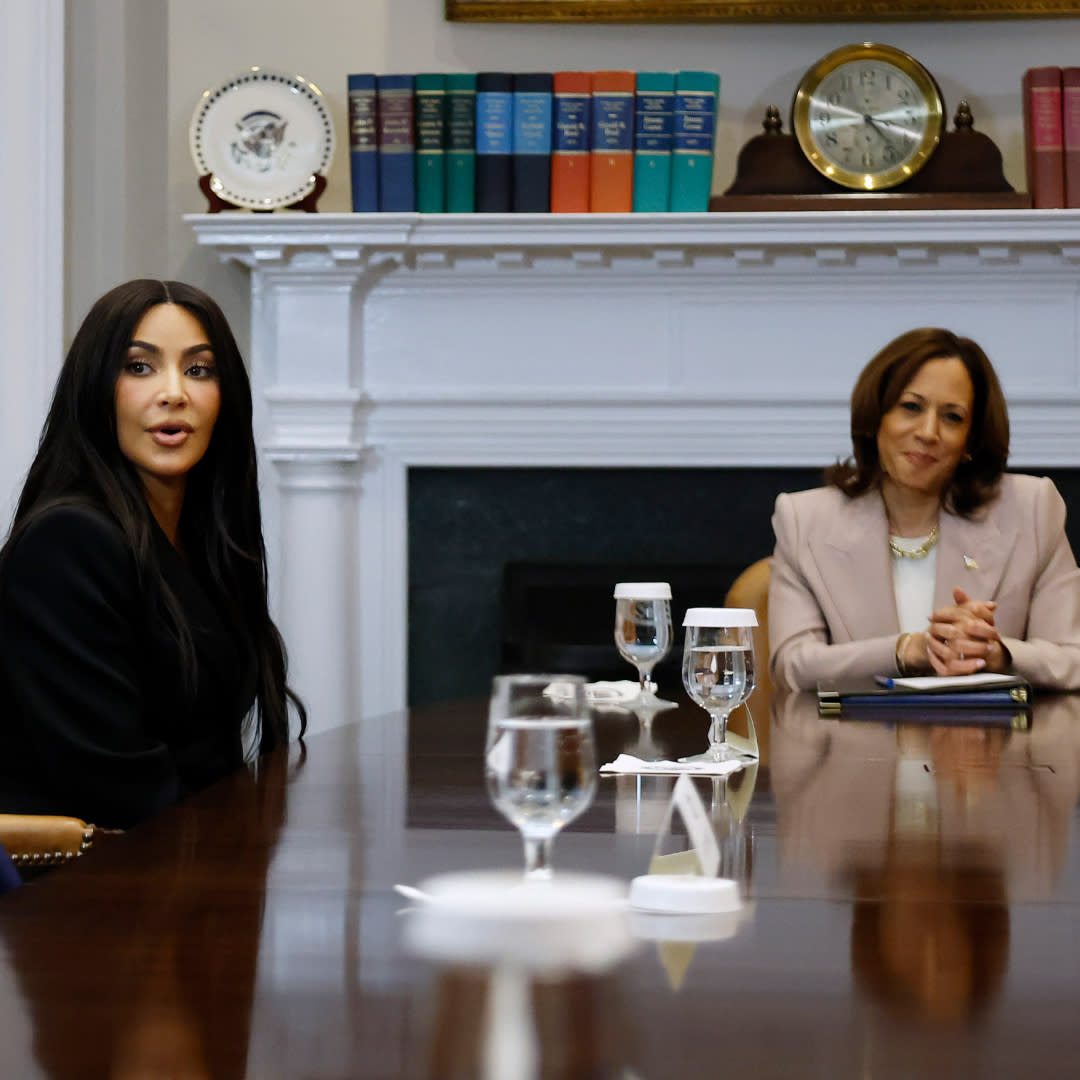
<point>532,143</point>
<point>494,141</point>
<point>363,144</point>
<point>397,143</point>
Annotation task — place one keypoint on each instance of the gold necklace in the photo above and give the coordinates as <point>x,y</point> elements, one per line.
<point>921,551</point>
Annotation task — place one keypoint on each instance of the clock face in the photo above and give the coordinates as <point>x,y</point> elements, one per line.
<point>868,116</point>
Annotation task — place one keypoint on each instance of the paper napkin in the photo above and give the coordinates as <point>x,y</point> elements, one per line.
<point>627,763</point>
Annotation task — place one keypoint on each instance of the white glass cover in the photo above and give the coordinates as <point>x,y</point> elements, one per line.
<point>720,616</point>
<point>643,590</point>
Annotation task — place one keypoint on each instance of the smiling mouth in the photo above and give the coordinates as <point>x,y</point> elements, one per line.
<point>920,459</point>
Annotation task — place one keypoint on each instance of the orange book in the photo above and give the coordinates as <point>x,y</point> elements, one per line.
<point>1043,142</point>
<point>570,152</point>
<point>611,188</point>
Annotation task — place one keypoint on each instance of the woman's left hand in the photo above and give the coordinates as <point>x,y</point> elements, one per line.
<point>962,638</point>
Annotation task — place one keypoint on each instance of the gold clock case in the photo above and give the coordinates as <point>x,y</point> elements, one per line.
<point>924,83</point>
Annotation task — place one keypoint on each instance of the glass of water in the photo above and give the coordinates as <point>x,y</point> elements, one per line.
<point>540,761</point>
<point>643,626</point>
<point>718,666</point>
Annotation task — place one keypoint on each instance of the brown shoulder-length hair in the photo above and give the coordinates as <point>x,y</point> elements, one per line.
<point>975,481</point>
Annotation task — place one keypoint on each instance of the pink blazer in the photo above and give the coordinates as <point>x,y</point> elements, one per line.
<point>832,611</point>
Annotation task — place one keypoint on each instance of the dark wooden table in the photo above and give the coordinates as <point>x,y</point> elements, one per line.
<point>914,912</point>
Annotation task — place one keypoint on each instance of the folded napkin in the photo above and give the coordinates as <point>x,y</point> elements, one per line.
<point>597,693</point>
<point>627,763</point>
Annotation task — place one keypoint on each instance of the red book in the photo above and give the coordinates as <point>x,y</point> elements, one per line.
<point>611,188</point>
<point>1070,117</point>
<point>1043,141</point>
<point>570,152</point>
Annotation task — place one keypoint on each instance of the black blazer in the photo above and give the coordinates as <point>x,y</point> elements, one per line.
<point>96,717</point>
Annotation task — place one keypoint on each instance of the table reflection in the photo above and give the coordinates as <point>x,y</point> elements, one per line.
<point>178,945</point>
<point>932,831</point>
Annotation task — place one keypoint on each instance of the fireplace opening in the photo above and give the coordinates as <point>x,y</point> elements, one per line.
<point>513,568</point>
<point>559,617</point>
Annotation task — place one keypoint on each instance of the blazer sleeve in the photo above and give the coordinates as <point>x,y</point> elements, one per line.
<point>71,615</point>
<point>1049,653</point>
<point>802,653</point>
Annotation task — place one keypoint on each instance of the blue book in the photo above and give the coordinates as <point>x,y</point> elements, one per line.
<point>696,93</point>
<point>461,143</point>
<point>654,136</point>
<point>494,141</point>
<point>571,146</point>
<point>363,144</point>
<point>431,131</point>
<point>397,143</point>
<point>532,143</point>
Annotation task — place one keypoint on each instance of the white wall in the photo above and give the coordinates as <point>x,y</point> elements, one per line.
<point>324,40</point>
<point>31,228</point>
<point>117,144</point>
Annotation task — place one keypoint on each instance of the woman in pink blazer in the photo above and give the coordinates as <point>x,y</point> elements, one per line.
<point>921,556</point>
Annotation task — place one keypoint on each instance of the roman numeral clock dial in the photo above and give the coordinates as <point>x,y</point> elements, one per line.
<point>868,116</point>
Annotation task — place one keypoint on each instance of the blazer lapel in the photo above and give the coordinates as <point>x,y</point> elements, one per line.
<point>973,555</point>
<point>854,557</point>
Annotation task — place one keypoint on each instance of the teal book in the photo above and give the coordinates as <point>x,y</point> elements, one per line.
<point>461,143</point>
<point>654,136</point>
<point>431,131</point>
<point>696,94</point>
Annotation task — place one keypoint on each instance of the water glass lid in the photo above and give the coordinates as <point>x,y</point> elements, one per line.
<point>643,590</point>
<point>684,894</point>
<point>720,616</point>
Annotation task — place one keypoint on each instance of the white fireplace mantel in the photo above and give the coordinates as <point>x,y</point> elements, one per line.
<point>382,341</point>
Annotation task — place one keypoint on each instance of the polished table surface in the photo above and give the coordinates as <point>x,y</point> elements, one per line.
<point>913,910</point>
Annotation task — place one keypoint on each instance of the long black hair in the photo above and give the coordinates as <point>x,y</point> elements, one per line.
<point>79,459</point>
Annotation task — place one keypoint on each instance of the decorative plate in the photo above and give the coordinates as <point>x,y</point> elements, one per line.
<point>262,136</point>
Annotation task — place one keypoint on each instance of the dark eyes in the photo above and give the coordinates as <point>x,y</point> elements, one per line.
<point>915,407</point>
<point>196,371</point>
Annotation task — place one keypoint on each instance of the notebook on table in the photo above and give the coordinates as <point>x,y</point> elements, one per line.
<point>930,699</point>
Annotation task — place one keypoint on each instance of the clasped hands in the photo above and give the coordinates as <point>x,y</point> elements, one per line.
<point>961,639</point>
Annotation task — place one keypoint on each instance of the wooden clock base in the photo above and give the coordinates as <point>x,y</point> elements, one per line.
<point>964,173</point>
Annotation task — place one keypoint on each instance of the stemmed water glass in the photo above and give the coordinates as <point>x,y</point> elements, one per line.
<point>717,654</point>
<point>643,626</point>
<point>540,761</point>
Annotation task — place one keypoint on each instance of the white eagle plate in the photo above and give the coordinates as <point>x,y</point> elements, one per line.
<point>262,136</point>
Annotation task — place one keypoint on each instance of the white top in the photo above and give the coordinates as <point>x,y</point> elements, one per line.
<point>720,616</point>
<point>643,590</point>
<point>913,585</point>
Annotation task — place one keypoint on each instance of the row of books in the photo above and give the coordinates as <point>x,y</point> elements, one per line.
<point>564,142</point>
<point>1052,136</point>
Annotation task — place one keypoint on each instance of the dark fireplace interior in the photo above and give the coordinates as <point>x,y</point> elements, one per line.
<point>513,569</point>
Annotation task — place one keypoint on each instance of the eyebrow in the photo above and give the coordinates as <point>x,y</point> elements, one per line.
<point>155,351</point>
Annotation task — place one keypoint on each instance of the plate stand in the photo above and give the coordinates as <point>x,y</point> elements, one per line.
<point>217,203</point>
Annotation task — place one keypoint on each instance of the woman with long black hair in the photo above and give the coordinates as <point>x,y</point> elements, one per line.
<point>138,658</point>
